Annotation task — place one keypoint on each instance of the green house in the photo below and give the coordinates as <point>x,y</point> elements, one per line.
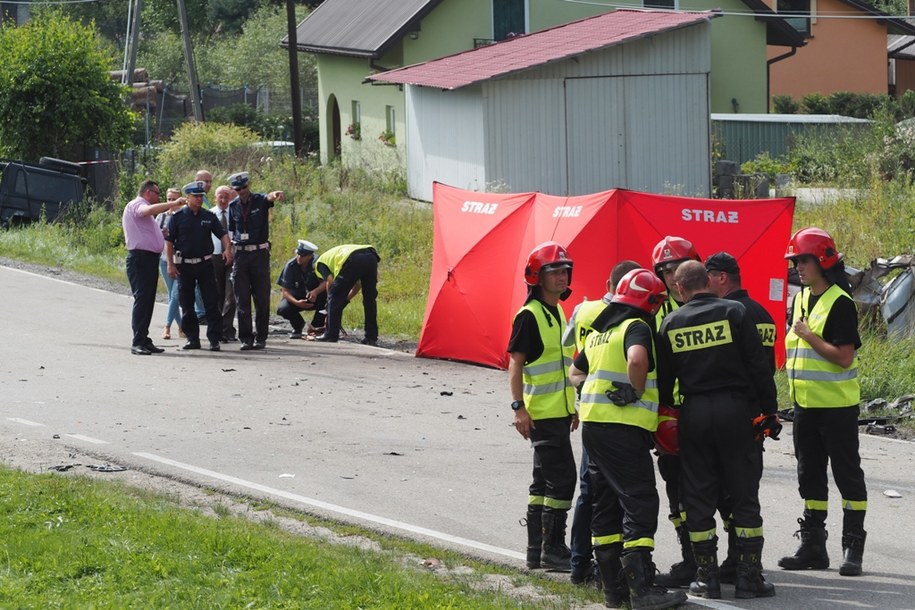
<point>362,123</point>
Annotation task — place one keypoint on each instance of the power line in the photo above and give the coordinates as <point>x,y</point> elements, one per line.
<point>42,2</point>
<point>748,12</point>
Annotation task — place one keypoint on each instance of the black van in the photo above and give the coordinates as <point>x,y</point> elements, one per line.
<point>28,190</point>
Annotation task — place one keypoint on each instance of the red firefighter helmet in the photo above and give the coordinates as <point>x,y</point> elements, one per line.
<point>642,289</point>
<point>666,436</point>
<point>547,256</point>
<point>672,249</point>
<point>815,242</point>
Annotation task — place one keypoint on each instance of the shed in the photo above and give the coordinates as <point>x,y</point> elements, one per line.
<point>620,100</point>
<point>742,137</point>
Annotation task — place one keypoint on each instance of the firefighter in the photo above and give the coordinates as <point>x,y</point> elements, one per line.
<point>578,329</point>
<point>543,401</point>
<point>619,408</point>
<point>823,384</point>
<point>711,347</point>
<point>667,256</point>
<point>724,275</point>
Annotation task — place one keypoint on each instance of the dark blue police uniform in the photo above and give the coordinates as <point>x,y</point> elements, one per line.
<point>299,283</point>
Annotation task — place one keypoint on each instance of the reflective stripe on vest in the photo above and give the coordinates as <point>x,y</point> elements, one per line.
<point>607,361</point>
<point>548,393</point>
<point>584,318</point>
<point>814,381</point>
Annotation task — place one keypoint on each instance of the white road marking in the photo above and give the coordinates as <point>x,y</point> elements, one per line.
<point>26,422</point>
<point>336,509</point>
<point>54,279</point>
<point>88,439</point>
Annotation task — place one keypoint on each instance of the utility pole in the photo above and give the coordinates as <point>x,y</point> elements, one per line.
<point>189,56</point>
<point>294,78</point>
<point>134,42</point>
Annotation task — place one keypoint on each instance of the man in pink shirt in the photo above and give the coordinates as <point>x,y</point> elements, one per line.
<point>144,246</point>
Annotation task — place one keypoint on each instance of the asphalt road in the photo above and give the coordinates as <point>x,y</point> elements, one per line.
<point>419,448</point>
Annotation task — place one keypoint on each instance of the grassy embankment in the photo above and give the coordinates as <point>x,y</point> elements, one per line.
<point>73,542</point>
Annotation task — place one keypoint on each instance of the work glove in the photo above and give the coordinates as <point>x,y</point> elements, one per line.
<point>623,395</point>
<point>767,426</point>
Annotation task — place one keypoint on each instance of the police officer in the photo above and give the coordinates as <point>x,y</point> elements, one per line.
<point>189,251</point>
<point>249,226</point>
<point>543,401</point>
<point>619,408</point>
<point>822,366</point>
<point>711,347</point>
<point>578,329</point>
<point>297,278</point>
<point>345,270</point>
<point>667,255</point>
<point>724,276</point>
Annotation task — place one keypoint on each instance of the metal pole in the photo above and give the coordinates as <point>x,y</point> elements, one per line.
<point>189,57</point>
<point>294,79</point>
<point>134,42</point>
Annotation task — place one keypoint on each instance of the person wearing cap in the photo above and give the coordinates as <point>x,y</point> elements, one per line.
<point>249,226</point>
<point>712,348</point>
<point>296,280</point>
<point>144,241</point>
<point>189,249</point>
<point>724,276</point>
<point>343,271</point>
<point>225,292</point>
<point>822,366</point>
<point>543,402</point>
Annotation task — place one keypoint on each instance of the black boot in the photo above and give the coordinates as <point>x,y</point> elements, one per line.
<point>643,593</point>
<point>750,581</point>
<point>613,582</point>
<point>707,583</point>
<point>683,572</point>
<point>534,523</point>
<point>727,571</point>
<point>555,555</point>
<point>812,553</point>
<point>852,553</point>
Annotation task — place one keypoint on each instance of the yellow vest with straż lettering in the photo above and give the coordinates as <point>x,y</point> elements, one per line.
<point>548,393</point>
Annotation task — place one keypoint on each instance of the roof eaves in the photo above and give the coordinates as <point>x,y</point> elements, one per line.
<point>894,24</point>
<point>411,25</point>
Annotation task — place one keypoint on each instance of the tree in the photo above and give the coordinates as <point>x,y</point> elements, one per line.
<point>55,92</point>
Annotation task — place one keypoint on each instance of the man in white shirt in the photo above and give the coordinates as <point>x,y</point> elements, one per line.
<point>225,293</point>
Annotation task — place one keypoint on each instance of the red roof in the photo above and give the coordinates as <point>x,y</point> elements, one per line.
<point>524,52</point>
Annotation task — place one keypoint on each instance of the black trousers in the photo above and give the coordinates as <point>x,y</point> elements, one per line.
<point>822,436</point>
<point>623,487</point>
<point>293,313</point>
<point>717,450</point>
<point>225,295</point>
<point>190,278</point>
<point>361,266</point>
<point>251,277</point>
<point>554,463</point>
<point>143,274</point>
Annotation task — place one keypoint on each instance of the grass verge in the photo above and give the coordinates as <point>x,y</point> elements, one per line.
<point>74,542</point>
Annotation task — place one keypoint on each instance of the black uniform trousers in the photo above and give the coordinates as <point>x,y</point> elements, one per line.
<point>623,487</point>
<point>293,313</point>
<point>717,448</point>
<point>251,276</point>
<point>143,275</point>
<point>554,463</point>
<point>361,266</point>
<point>225,296</point>
<point>190,278</point>
<point>829,435</point>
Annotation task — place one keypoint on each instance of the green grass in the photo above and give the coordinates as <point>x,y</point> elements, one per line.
<point>73,542</point>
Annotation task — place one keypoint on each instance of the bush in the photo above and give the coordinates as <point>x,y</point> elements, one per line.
<point>209,145</point>
<point>816,103</point>
<point>766,165</point>
<point>785,104</point>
